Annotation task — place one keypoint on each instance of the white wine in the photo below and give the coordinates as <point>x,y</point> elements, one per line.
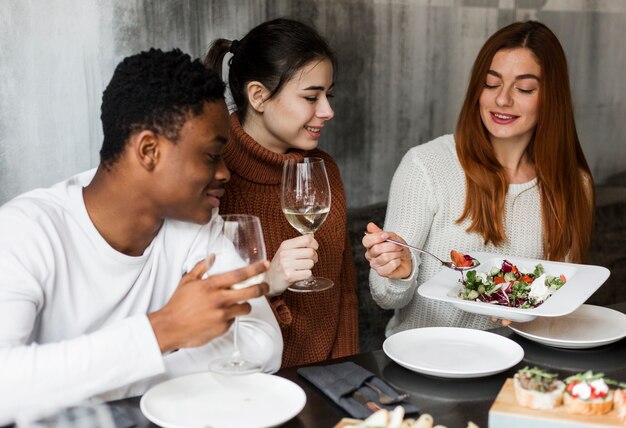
<point>306,220</point>
<point>256,279</point>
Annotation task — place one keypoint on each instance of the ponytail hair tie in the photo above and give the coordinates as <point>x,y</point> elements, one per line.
<point>233,46</point>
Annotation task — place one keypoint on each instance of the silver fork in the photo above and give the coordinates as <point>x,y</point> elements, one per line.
<point>384,398</point>
<point>449,265</point>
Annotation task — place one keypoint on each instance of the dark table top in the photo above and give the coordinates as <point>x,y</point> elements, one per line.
<point>452,402</point>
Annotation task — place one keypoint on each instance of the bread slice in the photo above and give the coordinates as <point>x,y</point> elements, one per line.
<point>619,402</point>
<point>597,406</point>
<point>537,399</point>
<point>347,422</point>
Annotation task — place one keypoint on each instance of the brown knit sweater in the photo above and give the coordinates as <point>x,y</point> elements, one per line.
<point>315,326</point>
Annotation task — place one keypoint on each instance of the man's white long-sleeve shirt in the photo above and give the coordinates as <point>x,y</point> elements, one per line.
<point>73,310</point>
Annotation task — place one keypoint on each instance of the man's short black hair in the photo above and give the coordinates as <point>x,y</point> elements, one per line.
<point>154,90</point>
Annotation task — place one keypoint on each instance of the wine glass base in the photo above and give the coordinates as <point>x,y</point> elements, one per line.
<point>311,285</point>
<point>231,367</point>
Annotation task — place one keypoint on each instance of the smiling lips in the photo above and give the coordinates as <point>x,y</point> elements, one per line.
<point>501,118</point>
<point>314,130</point>
<point>215,195</point>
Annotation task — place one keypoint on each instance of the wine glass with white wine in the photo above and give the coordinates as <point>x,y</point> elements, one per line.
<point>242,244</point>
<point>305,200</point>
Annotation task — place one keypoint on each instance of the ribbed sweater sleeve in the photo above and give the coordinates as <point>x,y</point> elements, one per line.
<point>410,211</point>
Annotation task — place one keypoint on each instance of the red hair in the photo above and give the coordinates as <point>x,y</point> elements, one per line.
<point>563,176</point>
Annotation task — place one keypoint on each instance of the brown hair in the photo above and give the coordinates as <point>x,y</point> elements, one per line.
<point>564,178</point>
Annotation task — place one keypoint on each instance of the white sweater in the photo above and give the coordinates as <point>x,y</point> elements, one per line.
<point>73,320</point>
<point>426,198</point>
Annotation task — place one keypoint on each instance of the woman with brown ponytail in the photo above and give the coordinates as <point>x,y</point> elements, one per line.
<point>511,180</point>
<point>281,76</point>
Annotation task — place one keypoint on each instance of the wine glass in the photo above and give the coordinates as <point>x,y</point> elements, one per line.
<point>305,200</point>
<point>242,244</point>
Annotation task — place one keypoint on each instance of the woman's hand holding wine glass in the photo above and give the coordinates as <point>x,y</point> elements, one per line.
<point>292,262</point>
<point>305,200</point>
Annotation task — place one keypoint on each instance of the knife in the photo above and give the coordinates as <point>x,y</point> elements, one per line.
<point>358,396</point>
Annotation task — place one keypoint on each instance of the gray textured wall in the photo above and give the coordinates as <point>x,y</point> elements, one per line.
<point>404,65</point>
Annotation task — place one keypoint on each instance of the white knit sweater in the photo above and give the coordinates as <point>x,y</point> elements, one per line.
<point>426,198</point>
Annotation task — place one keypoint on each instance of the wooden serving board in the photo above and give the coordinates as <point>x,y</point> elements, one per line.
<point>507,413</point>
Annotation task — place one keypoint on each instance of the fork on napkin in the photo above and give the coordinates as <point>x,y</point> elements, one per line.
<point>340,381</point>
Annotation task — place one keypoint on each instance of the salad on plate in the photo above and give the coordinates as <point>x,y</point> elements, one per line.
<point>508,286</point>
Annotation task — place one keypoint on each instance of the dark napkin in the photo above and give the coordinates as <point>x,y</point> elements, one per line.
<point>339,381</point>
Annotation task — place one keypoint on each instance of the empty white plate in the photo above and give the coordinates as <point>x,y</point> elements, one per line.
<point>208,399</point>
<point>453,352</point>
<point>587,327</point>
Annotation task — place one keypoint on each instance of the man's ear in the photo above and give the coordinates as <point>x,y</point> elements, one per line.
<point>257,94</point>
<point>147,148</point>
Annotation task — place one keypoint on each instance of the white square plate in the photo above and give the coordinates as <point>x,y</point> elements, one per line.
<point>582,282</point>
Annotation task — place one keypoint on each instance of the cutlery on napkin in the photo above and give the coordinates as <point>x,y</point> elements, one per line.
<point>339,382</point>
<point>358,396</point>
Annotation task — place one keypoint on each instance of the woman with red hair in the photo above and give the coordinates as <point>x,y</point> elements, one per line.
<point>512,180</point>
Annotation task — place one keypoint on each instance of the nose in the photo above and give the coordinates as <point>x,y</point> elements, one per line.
<point>324,110</point>
<point>504,98</point>
<point>222,173</point>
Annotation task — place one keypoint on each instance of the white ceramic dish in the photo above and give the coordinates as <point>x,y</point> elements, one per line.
<point>207,399</point>
<point>582,282</point>
<point>587,327</point>
<point>452,352</point>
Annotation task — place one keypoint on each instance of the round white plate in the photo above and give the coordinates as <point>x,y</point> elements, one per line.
<point>208,399</point>
<point>587,327</point>
<point>453,352</point>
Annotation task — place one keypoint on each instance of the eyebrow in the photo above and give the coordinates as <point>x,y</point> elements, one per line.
<point>520,77</point>
<point>318,88</point>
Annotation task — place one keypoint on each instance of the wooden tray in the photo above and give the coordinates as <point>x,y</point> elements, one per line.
<point>507,413</point>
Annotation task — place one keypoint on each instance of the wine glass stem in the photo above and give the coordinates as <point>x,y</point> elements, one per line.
<point>310,281</point>
<point>236,358</point>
